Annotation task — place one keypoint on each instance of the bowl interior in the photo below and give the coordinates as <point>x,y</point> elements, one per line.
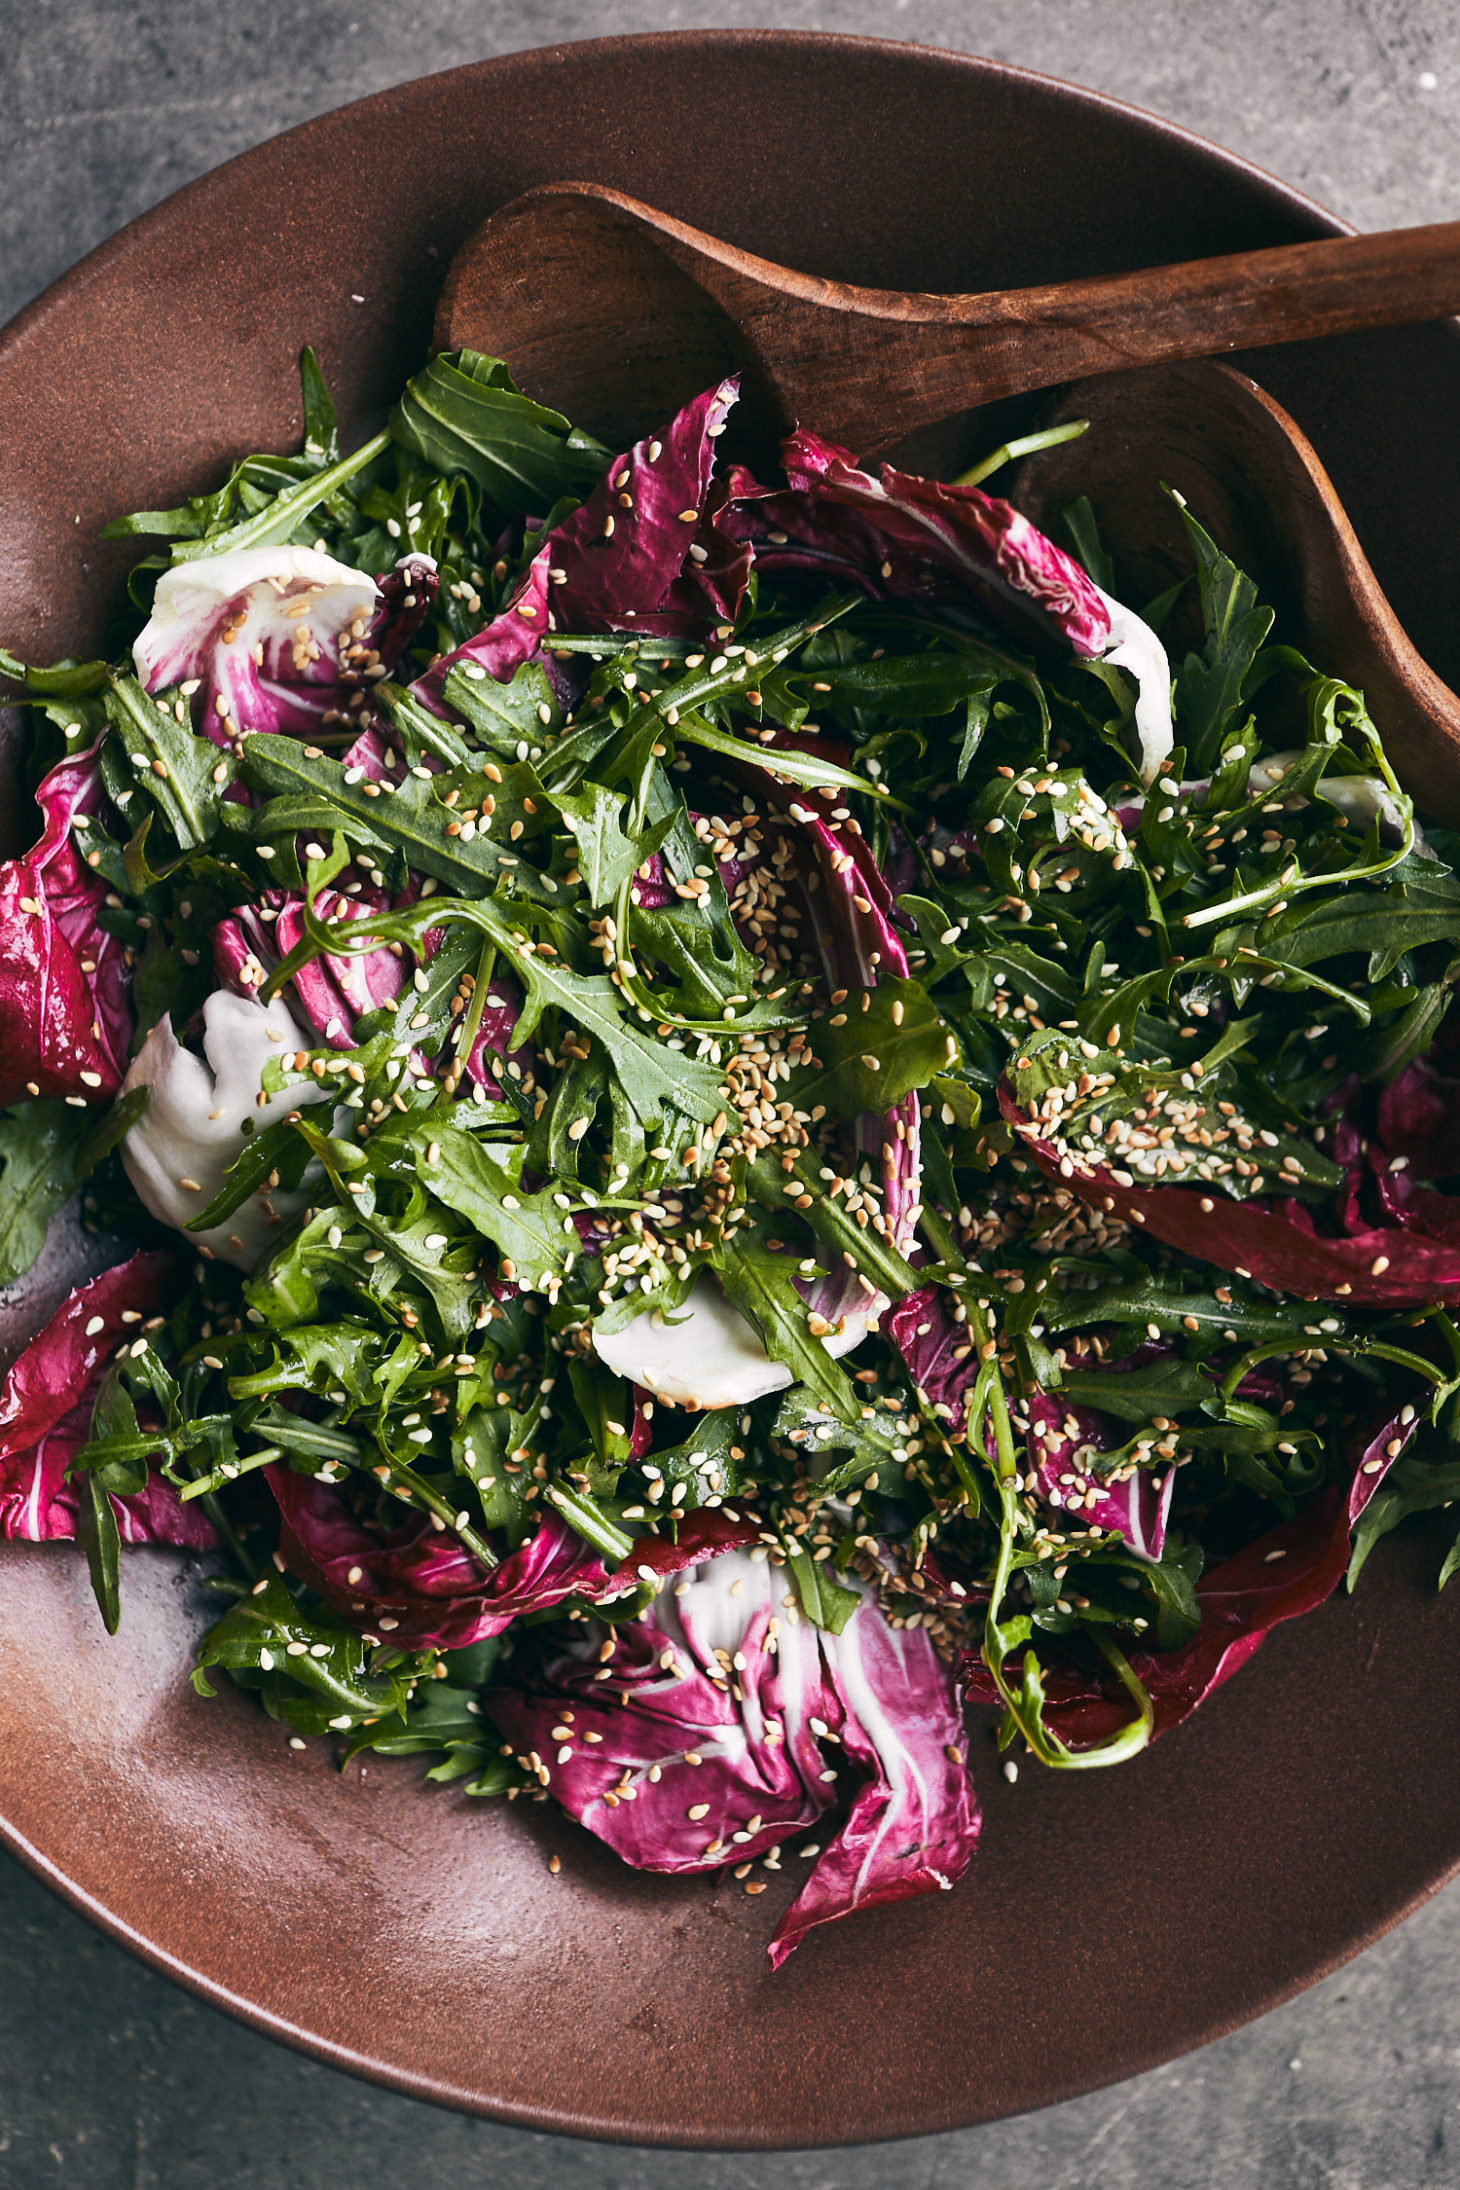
<point>1111,1919</point>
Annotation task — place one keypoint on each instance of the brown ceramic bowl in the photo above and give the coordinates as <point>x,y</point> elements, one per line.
<point>1111,1920</point>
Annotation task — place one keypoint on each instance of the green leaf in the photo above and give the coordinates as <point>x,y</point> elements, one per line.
<point>331,1667</point>
<point>1413,1485</point>
<point>760,1283</point>
<point>1083,533</point>
<point>859,1247</point>
<point>47,1149</point>
<point>100,1538</point>
<point>62,680</point>
<point>412,819</point>
<point>607,855</point>
<point>531,1230</point>
<point>442,1716</point>
<point>868,1442</point>
<point>1134,1395</point>
<point>504,716</point>
<point>1451,1565</point>
<point>39,1142</point>
<point>890,1040</point>
<point>280,515</point>
<point>824,1600</point>
<point>321,427</point>
<point>464,413</point>
<point>913,685</point>
<point>1211,686</point>
<point>278,1148</point>
<point>184,775</point>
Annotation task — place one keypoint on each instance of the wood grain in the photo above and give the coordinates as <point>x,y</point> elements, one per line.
<point>609,309</point>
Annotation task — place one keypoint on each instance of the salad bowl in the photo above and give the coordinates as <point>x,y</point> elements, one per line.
<point>504,1961</point>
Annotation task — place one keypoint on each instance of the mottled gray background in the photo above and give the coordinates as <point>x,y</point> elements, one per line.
<point>110,2078</point>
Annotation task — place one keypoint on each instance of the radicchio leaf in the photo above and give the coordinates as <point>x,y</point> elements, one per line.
<point>45,1417</point>
<point>420,1587</point>
<point>649,552</point>
<point>762,1722</point>
<point>1279,1246</point>
<point>1285,1573</point>
<point>921,540</point>
<point>199,1116</point>
<point>1282,1575</point>
<point>1135,1509</point>
<point>1419,1120</point>
<point>942,1364</point>
<point>65,1011</point>
<point>424,1589</point>
<point>278,637</point>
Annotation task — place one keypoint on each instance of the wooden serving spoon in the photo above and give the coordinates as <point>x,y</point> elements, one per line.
<point>616,314</point>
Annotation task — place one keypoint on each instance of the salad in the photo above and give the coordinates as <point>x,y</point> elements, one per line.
<point>716,1116</point>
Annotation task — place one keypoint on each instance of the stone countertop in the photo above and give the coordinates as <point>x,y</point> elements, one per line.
<point>110,2077</point>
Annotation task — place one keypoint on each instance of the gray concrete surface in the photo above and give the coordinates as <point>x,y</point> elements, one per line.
<point>111,2078</point>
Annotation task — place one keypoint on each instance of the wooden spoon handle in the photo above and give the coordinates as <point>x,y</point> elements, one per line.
<point>1017,339</point>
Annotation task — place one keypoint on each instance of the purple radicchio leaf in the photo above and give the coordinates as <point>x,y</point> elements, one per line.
<point>426,1591</point>
<point>851,914</point>
<point>335,990</point>
<point>1419,1120</point>
<point>762,1739</point>
<point>646,552</point>
<point>1417,1208</point>
<point>1278,1244</point>
<point>649,552</point>
<point>1286,1572</point>
<point>1063,1440</point>
<point>921,540</point>
<point>65,1009</point>
<point>279,638</point>
<point>45,1416</point>
<point>502,646</point>
<point>420,1587</point>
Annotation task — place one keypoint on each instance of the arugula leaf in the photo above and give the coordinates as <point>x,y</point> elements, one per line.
<point>859,1247</point>
<point>47,1149</point>
<point>760,1283</point>
<point>329,1662</point>
<point>1211,686</point>
<point>39,1143</point>
<point>876,1047</point>
<point>100,1539</point>
<point>444,1715</point>
<point>534,1236</point>
<point>825,1601</point>
<point>185,775</point>
<point>463,412</point>
<point>505,716</point>
<point>608,855</point>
